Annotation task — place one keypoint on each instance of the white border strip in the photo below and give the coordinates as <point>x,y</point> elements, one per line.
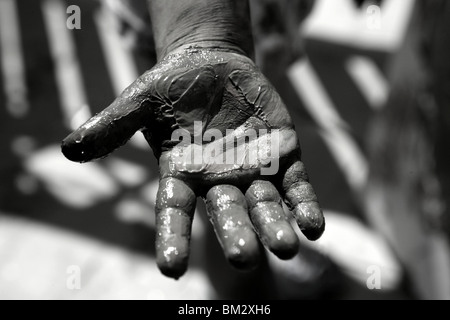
<point>119,59</point>
<point>12,60</point>
<point>121,66</point>
<point>67,68</point>
<point>369,79</point>
<point>334,130</point>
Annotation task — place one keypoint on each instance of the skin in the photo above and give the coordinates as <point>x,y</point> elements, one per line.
<point>205,73</point>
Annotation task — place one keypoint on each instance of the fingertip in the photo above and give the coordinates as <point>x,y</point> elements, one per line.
<point>73,150</point>
<point>171,264</point>
<point>310,219</point>
<point>244,254</point>
<point>275,232</point>
<point>314,234</point>
<point>286,244</point>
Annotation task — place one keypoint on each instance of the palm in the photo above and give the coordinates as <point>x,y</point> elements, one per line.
<point>220,131</point>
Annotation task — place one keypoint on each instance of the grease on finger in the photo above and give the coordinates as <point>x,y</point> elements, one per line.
<point>302,200</point>
<point>228,212</point>
<point>175,208</point>
<point>270,221</point>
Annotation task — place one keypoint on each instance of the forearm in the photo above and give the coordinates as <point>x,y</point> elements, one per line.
<point>209,23</point>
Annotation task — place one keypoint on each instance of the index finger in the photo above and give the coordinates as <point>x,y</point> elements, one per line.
<point>175,206</point>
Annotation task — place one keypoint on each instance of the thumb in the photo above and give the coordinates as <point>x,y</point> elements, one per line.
<point>109,129</point>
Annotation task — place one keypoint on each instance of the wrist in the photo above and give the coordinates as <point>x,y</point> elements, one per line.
<point>219,24</point>
<point>207,45</point>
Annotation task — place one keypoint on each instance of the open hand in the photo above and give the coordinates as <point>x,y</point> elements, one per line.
<point>221,132</point>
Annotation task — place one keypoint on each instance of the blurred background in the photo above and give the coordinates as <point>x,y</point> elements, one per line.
<point>367,84</point>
